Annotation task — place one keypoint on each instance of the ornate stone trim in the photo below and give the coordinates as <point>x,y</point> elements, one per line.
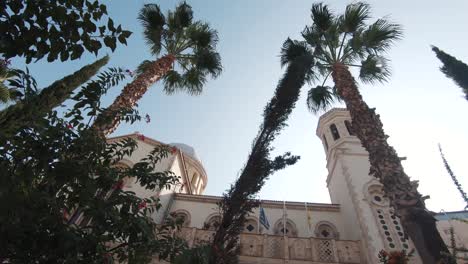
<point>265,203</point>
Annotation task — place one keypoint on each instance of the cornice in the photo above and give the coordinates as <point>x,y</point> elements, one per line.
<point>265,203</point>
<point>325,117</point>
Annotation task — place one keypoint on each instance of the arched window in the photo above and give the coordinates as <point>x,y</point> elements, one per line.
<point>349,127</point>
<point>325,142</point>
<point>289,229</point>
<point>182,217</point>
<point>213,222</point>
<point>334,132</point>
<point>326,230</point>
<point>194,179</point>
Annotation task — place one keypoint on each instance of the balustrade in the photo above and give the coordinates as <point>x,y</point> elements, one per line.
<point>299,249</point>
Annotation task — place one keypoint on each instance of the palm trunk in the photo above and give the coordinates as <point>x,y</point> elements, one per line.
<point>385,164</point>
<point>109,119</point>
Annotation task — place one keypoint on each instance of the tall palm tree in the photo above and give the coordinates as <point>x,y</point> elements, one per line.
<point>187,56</point>
<point>338,43</point>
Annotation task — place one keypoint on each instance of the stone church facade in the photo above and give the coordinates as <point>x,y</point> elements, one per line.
<point>353,228</point>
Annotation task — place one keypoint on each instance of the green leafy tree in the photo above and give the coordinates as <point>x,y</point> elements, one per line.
<point>187,57</point>
<point>56,28</point>
<point>338,42</point>
<point>239,200</point>
<point>55,169</point>
<point>454,177</point>
<point>38,105</point>
<point>453,69</point>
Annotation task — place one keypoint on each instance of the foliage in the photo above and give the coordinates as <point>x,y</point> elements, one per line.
<point>56,28</point>
<point>345,39</point>
<point>239,200</point>
<point>350,40</point>
<point>189,57</point>
<point>191,42</point>
<point>453,69</point>
<point>395,257</point>
<point>454,177</point>
<point>38,105</point>
<point>196,255</point>
<point>57,169</point>
<point>5,74</point>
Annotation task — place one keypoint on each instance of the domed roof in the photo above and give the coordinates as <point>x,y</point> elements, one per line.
<point>186,149</point>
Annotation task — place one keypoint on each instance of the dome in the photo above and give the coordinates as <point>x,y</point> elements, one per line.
<point>186,149</point>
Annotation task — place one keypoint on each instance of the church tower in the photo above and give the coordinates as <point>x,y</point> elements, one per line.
<point>368,216</point>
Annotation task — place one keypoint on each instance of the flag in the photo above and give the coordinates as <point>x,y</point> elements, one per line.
<point>263,219</point>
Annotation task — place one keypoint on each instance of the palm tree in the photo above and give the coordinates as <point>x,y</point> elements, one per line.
<point>187,56</point>
<point>338,43</point>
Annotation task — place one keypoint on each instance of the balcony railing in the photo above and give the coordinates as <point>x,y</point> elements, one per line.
<point>301,250</point>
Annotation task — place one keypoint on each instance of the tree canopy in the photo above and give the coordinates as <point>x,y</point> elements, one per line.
<point>57,29</point>
<point>61,190</point>
<point>191,42</point>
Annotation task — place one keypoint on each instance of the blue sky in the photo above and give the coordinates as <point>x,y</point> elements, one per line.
<point>419,106</point>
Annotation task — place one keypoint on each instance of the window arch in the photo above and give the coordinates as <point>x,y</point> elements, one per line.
<point>334,132</point>
<point>181,216</point>
<point>290,231</point>
<point>212,222</point>
<point>325,229</point>
<point>349,127</point>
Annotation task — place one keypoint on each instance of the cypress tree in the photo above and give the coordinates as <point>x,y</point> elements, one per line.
<point>239,200</point>
<point>454,178</point>
<point>453,69</point>
<point>24,112</point>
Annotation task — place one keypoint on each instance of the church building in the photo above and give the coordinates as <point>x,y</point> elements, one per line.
<point>353,228</point>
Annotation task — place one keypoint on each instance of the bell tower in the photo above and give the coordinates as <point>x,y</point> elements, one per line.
<point>369,218</point>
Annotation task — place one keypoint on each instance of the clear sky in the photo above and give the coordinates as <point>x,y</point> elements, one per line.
<point>419,107</point>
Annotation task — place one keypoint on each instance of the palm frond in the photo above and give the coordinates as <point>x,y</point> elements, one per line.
<point>353,49</point>
<point>173,82</point>
<point>194,79</point>
<point>202,35</point>
<point>374,69</point>
<point>321,98</point>
<point>380,35</point>
<point>183,15</point>
<point>321,16</point>
<point>143,67</point>
<point>293,49</point>
<point>4,93</point>
<point>153,21</point>
<point>354,17</point>
<point>208,61</point>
